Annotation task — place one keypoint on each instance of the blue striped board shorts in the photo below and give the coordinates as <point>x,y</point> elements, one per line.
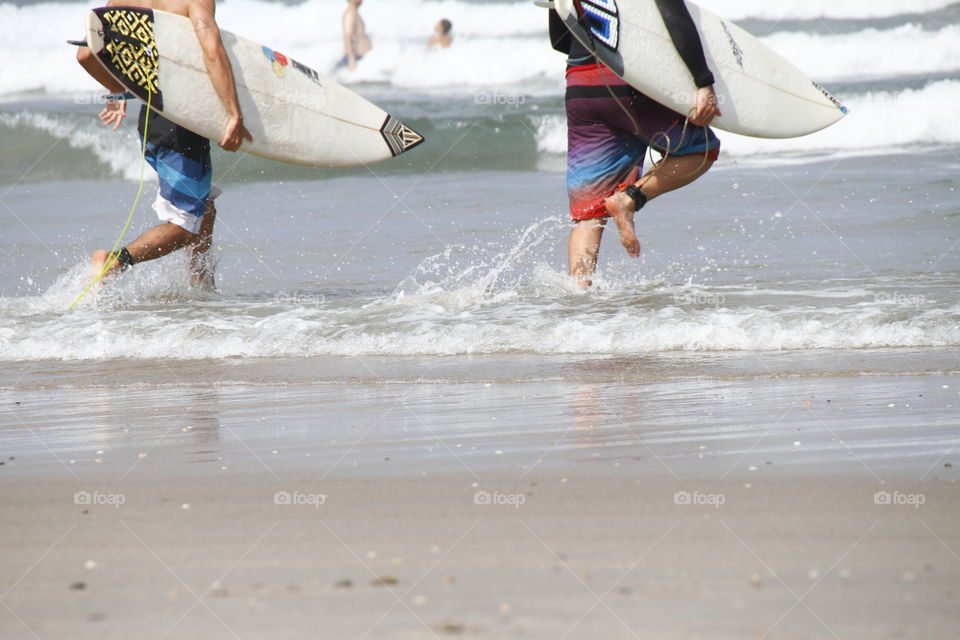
<point>181,159</point>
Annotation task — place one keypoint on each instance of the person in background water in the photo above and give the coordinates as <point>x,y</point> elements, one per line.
<point>181,158</point>
<point>610,126</point>
<point>356,43</point>
<point>441,38</point>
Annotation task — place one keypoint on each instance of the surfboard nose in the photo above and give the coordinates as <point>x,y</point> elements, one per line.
<point>398,136</point>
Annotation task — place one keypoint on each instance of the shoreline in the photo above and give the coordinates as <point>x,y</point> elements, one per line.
<point>512,368</point>
<point>480,415</point>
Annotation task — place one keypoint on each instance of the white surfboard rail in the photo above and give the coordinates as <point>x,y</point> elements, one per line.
<point>760,93</point>
<point>294,114</point>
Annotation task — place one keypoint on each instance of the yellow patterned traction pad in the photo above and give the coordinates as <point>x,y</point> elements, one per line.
<point>130,51</point>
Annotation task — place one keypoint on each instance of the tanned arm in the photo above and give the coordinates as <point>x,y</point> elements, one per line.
<point>201,14</point>
<point>115,110</point>
<point>92,66</point>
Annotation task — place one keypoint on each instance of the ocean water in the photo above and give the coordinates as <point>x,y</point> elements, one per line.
<point>844,242</point>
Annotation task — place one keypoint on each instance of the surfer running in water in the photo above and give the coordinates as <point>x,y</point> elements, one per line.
<point>610,126</point>
<point>181,158</point>
<point>356,43</point>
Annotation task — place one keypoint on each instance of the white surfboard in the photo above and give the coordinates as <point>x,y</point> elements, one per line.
<point>760,93</point>
<point>293,113</point>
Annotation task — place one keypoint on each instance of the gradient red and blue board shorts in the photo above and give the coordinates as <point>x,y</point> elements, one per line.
<point>608,137</point>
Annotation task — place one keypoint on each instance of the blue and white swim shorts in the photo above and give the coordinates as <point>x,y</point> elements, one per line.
<point>181,159</point>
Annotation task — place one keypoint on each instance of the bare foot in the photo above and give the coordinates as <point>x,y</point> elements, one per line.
<point>203,281</point>
<point>620,207</point>
<point>201,269</point>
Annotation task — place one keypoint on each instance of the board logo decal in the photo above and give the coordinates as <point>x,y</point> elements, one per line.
<point>130,49</point>
<point>277,60</point>
<point>830,97</point>
<point>305,70</point>
<point>399,137</point>
<point>603,20</point>
<point>734,47</point>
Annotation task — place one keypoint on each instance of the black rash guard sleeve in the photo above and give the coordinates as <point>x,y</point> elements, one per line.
<point>563,41</point>
<point>560,36</point>
<point>685,38</point>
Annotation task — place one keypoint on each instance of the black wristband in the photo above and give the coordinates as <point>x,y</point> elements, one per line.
<point>634,193</point>
<point>124,258</point>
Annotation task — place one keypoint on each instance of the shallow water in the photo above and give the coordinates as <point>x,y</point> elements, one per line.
<point>386,299</point>
<point>822,256</point>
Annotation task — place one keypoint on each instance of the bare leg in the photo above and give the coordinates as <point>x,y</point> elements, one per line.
<point>582,249</point>
<point>152,244</point>
<point>201,270</point>
<point>665,176</point>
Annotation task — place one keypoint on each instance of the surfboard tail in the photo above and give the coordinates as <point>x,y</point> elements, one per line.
<point>398,136</point>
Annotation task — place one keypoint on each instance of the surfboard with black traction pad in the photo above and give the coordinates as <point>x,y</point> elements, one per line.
<point>294,114</point>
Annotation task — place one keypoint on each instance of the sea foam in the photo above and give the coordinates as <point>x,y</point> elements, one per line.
<point>497,43</point>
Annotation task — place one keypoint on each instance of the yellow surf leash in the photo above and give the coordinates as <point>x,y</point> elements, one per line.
<point>112,256</point>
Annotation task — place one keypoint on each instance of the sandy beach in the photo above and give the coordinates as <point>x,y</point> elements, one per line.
<point>481,506</point>
<point>597,555</point>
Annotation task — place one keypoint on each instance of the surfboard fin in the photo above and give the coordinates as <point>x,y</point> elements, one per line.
<point>78,43</point>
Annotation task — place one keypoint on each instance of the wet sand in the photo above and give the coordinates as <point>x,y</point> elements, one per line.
<point>459,503</point>
<point>581,555</point>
